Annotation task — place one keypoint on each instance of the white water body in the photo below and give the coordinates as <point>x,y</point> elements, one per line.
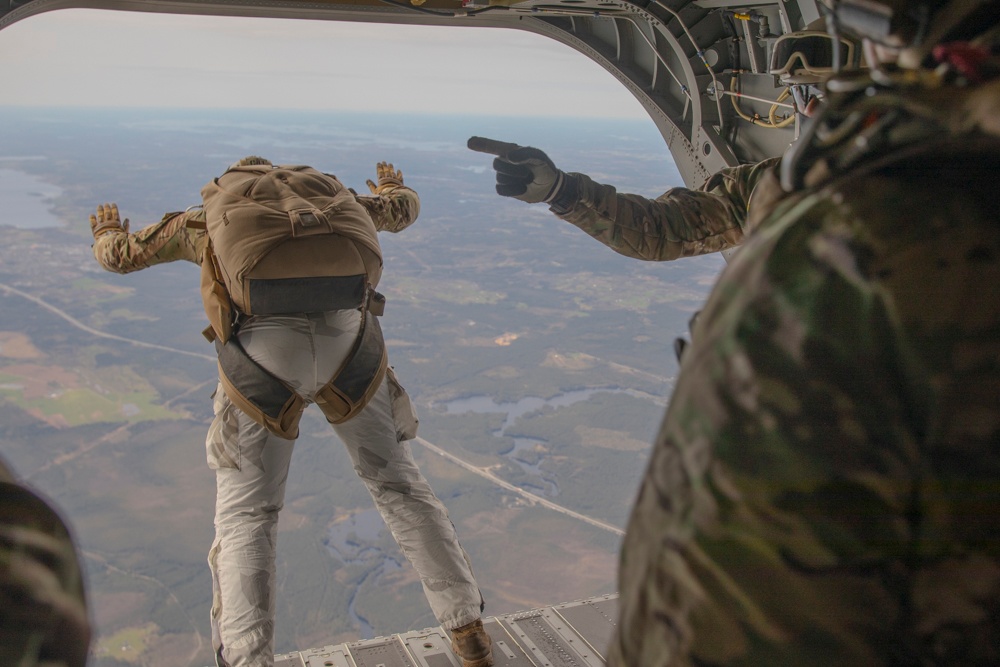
<point>26,201</point>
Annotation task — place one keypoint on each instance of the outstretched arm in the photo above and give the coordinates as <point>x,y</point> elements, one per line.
<point>679,223</point>
<point>392,206</point>
<point>169,240</point>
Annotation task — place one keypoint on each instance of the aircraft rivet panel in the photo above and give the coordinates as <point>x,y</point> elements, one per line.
<point>328,656</point>
<point>551,641</point>
<point>380,653</point>
<point>594,620</point>
<point>430,648</point>
<point>506,651</point>
<point>574,634</point>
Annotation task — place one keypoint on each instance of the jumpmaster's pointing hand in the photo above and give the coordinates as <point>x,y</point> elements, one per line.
<point>523,172</point>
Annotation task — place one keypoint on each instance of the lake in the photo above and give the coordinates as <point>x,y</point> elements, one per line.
<point>26,201</point>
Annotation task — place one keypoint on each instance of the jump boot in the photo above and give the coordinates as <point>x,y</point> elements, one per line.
<point>473,645</point>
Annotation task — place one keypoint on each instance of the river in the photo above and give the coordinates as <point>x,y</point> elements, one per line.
<point>350,541</point>
<point>545,484</point>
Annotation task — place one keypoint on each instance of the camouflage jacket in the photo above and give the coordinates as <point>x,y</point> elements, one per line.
<point>678,223</point>
<point>172,239</point>
<point>43,616</point>
<point>824,486</point>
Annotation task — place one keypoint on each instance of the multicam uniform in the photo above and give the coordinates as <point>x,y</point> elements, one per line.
<point>678,223</point>
<point>43,611</point>
<point>824,486</point>
<point>251,463</point>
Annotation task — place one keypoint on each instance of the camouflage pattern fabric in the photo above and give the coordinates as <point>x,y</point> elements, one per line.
<point>171,239</point>
<point>392,211</point>
<point>166,241</point>
<point>824,486</point>
<point>678,223</point>
<point>43,612</point>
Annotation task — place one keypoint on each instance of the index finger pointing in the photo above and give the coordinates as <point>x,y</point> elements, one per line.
<point>491,146</point>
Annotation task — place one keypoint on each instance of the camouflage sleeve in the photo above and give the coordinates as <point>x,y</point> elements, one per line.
<point>679,223</point>
<point>810,494</point>
<point>43,615</point>
<point>392,211</point>
<point>750,511</point>
<point>168,240</point>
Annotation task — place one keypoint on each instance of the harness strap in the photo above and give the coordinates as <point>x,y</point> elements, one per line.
<point>263,397</point>
<point>357,380</point>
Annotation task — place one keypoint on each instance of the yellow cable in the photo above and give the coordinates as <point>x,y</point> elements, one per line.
<point>771,123</point>
<point>774,108</point>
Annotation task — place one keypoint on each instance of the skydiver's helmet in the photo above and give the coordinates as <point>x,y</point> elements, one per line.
<point>251,161</point>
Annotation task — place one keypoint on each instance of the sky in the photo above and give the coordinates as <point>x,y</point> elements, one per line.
<point>98,58</point>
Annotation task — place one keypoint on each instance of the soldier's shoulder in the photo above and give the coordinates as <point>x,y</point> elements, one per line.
<point>194,217</point>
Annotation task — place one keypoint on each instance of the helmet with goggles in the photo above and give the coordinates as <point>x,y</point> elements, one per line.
<point>810,56</point>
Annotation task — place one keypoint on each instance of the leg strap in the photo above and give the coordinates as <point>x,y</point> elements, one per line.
<point>263,397</point>
<point>350,389</point>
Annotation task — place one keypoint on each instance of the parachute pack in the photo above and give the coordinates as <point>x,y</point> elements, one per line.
<point>290,239</point>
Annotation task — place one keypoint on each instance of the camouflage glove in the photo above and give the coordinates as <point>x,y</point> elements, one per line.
<point>523,172</point>
<point>107,220</point>
<point>388,179</point>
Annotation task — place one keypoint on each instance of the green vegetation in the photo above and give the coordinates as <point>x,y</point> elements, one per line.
<point>80,406</point>
<point>126,645</point>
<point>66,398</point>
<point>456,292</point>
<point>100,292</point>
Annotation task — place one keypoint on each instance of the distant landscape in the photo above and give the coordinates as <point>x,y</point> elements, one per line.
<point>532,352</point>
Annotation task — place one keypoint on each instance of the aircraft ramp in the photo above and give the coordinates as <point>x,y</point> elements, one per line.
<point>573,634</point>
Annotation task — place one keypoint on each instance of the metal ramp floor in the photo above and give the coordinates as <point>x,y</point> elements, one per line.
<point>573,634</point>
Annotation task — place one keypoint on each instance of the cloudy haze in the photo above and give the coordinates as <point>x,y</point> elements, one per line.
<point>102,58</point>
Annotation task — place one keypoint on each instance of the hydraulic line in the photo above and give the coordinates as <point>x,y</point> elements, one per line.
<point>772,123</point>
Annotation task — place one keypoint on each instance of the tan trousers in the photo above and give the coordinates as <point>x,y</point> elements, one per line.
<point>251,467</point>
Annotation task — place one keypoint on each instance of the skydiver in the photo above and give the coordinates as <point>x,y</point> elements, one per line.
<point>290,259</point>
<point>824,486</point>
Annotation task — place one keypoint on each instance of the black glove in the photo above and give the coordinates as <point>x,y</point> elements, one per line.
<point>523,172</point>
<point>107,220</point>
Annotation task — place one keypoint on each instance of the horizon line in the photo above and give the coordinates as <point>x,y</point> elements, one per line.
<point>427,114</point>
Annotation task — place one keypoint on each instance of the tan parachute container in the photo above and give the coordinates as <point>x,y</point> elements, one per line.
<point>287,240</point>
<point>290,239</point>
